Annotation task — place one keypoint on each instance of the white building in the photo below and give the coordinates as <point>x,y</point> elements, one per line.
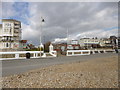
<point>95,42</point>
<point>10,34</point>
<point>88,42</point>
<point>105,42</point>
<point>74,42</point>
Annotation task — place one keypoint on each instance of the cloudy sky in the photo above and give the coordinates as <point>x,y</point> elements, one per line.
<point>81,19</point>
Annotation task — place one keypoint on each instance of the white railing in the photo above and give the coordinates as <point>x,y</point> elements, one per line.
<point>101,51</point>
<point>17,54</point>
<point>53,53</point>
<point>77,52</point>
<point>22,54</point>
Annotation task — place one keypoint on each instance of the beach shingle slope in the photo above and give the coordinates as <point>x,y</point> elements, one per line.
<point>97,73</point>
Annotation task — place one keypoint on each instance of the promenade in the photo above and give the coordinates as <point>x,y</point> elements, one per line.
<point>11,67</point>
<point>94,71</point>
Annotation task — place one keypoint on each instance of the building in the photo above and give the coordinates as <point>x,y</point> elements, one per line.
<point>118,42</point>
<point>0,35</point>
<point>23,44</point>
<point>63,47</point>
<point>105,42</point>
<point>74,42</point>
<point>10,34</point>
<point>95,42</point>
<point>89,42</point>
<point>113,40</point>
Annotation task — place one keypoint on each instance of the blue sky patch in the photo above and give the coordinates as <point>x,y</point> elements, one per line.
<point>22,11</point>
<point>111,28</point>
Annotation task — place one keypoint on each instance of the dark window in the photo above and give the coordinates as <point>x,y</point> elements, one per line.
<point>6,44</point>
<point>10,30</point>
<point>7,38</point>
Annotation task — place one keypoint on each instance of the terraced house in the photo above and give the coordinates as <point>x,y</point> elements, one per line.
<point>10,34</point>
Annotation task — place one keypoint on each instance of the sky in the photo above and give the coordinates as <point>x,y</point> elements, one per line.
<point>79,19</point>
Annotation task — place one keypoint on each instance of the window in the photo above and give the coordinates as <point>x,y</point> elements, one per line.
<point>62,48</point>
<point>70,47</point>
<point>6,44</point>
<point>7,37</point>
<point>6,25</point>
<point>9,24</point>
<point>10,30</point>
<point>4,30</point>
<point>76,47</point>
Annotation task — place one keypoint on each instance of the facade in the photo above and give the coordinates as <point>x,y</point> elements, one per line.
<point>74,42</point>
<point>95,42</point>
<point>105,42</point>
<point>89,42</point>
<point>63,47</point>
<point>118,42</point>
<point>23,44</point>
<point>0,35</point>
<point>10,34</point>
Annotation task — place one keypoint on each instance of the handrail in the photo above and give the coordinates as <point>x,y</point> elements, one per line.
<point>81,52</point>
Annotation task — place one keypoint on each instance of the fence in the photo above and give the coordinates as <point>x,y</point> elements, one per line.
<point>20,54</point>
<point>77,52</point>
<point>52,53</point>
<point>101,51</point>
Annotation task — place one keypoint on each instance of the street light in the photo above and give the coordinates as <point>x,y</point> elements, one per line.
<point>41,46</point>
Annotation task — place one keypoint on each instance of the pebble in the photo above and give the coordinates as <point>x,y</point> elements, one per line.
<point>54,77</point>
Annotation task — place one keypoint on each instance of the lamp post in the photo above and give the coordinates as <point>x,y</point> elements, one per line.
<point>41,46</point>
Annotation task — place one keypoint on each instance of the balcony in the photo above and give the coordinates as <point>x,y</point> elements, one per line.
<point>16,39</point>
<point>7,33</point>
<point>17,23</point>
<point>16,34</point>
<point>16,30</point>
<point>9,40</point>
<point>17,26</point>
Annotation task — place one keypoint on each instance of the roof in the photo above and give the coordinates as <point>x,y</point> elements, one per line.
<point>84,38</point>
<point>10,20</point>
<point>74,40</point>
<point>24,41</point>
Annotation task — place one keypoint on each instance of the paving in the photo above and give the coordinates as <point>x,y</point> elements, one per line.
<point>10,67</point>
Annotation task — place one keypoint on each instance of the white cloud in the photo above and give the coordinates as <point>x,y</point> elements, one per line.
<point>61,0</point>
<point>98,33</point>
<point>89,34</point>
<point>101,13</point>
<point>82,19</point>
<point>59,40</point>
<point>30,34</point>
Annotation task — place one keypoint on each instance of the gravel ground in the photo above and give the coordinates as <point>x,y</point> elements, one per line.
<point>97,73</point>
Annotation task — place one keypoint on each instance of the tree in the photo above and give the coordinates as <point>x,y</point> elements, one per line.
<point>46,46</point>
